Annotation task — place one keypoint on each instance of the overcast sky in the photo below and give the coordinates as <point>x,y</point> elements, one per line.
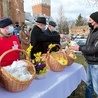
<point>72,8</point>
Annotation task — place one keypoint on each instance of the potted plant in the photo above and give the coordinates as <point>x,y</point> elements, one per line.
<point>40,66</point>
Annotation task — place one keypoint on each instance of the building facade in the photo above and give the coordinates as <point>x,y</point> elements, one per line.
<point>42,7</point>
<point>1,8</point>
<point>13,9</point>
<point>79,30</point>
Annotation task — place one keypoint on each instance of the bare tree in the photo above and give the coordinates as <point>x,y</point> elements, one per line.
<point>94,2</point>
<point>62,23</point>
<point>71,23</point>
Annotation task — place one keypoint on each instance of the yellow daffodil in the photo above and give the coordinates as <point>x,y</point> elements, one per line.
<point>51,46</point>
<point>37,54</point>
<point>37,59</point>
<point>29,49</point>
<point>68,44</point>
<point>63,61</point>
<point>33,61</point>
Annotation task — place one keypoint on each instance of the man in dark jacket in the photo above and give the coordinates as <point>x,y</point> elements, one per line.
<point>90,51</point>
<point>51,31</point>
<point>38,38</point>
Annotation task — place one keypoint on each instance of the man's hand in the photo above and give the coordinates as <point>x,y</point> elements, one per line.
<point>62,36</point>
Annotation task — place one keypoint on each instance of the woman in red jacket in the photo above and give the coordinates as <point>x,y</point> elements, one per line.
<point>8,41</point>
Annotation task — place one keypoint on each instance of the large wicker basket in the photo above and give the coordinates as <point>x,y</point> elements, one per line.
<point>9,82</point>
<point>52,63</point>
<point>70,59</point>
<point>44,56</point>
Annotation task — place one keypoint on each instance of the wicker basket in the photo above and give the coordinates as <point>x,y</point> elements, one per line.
<point>70,59</point>
<point>9,82</point>
<point>45,58</point>
<point>52,63</point>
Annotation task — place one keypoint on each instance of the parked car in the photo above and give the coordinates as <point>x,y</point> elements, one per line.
<point>80,41</point>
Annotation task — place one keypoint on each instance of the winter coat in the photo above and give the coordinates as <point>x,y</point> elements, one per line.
<point>48,32</point>
<point>25,39</point>
<point>90,50</point>
<point>38,39</point>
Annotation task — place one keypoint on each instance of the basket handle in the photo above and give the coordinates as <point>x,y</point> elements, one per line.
<point>56,45</point>
<point>11,50</point>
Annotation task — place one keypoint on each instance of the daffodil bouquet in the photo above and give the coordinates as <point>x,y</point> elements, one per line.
<point>39,63</point>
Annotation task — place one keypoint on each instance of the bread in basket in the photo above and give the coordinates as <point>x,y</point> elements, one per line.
<point>9,82</point>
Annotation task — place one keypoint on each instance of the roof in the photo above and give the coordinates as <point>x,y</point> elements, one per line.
<point>32,18</point>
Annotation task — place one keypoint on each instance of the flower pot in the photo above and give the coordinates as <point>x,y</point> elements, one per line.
<point>40,76</point>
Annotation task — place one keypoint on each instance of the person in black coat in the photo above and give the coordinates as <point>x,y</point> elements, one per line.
<point>38,38</point>
<point>90,52</point>
<point>51,31</point>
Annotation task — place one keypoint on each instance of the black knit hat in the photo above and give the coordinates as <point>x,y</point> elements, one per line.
<point>94,16</point>
<point>41,20</point>
<point>52,23</point>
<point>5,22</point>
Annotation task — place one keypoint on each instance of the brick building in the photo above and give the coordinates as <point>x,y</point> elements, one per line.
<point>13,9</point>
<point>79,30</point>
<point>41,7</point>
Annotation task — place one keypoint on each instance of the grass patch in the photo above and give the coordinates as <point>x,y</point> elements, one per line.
<point>81,60</point>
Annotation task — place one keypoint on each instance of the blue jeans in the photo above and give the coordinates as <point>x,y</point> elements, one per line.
<point>92,81</point>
